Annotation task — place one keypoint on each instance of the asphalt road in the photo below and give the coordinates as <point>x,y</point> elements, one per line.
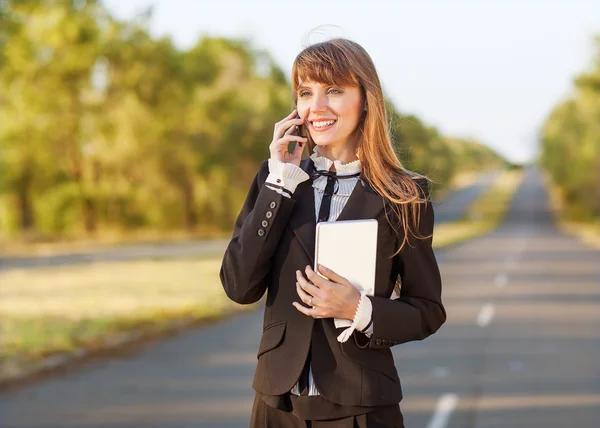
<point>454,205</point>
<point>521,348</point>
<point>448,209</point>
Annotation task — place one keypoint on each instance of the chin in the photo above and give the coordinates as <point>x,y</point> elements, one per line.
<point>323,142</point>
<point>328,143</point>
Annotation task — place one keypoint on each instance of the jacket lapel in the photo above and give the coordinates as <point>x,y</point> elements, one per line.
<point>363,203</point>
<point>303,220</point>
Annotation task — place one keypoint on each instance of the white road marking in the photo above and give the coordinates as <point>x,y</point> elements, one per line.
<point>485,315</point>
<point>500,280</point>
<point>443,410</point>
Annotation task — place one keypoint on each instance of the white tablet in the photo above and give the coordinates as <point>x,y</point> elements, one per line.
<point>349,248</point>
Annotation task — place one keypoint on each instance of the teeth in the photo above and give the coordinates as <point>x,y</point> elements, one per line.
<point>320,124</point>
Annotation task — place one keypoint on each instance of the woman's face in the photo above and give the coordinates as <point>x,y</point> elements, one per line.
<point>321,104</point>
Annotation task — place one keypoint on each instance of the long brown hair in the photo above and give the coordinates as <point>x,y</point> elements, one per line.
<point>343,62</point>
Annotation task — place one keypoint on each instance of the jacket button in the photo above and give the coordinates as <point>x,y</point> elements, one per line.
<point>269,214</point>
<point>377,341</point>
<point>273,205</point>
<point>265,223</point>
<point>261,232</point>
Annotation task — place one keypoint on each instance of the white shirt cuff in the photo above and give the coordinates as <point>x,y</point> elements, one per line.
<point>286,175</point>
<point>362,316</point>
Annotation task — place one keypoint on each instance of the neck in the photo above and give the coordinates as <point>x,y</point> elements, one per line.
<point>344,154</point>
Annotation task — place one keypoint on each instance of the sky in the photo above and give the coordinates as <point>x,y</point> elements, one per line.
<point>485,69</point>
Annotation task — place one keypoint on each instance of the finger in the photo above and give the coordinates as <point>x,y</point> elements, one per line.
<point>282,126</point>
<point>282,144</point>
<point>298,149</point>
<point>334,277</point>
<point>289,138</point>
<point>304,296</point>
<point>289,116</point>
<point>287,122</point>
<point>307,286</point>
<point>291,130</point>
<point>306,311</point>
<point>317,279</point>
<point>289,126</point>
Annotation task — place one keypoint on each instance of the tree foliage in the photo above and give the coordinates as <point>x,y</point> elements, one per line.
<point>104,128</point>
<point>570,139</point>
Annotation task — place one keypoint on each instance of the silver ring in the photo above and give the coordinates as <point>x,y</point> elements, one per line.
<point>310,302</point>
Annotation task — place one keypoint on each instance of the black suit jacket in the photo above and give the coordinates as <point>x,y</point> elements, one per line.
<point>273,237</point>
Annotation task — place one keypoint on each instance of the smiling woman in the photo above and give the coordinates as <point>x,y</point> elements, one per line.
<point>310,373</point>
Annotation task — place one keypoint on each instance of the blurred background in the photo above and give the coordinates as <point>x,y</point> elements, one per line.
<point>131,130</point>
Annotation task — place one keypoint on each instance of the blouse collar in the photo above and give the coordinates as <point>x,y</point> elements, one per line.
<point>345,186</point>
<point>323,163</point>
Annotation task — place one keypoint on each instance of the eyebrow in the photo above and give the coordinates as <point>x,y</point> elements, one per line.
<point>308,87</point>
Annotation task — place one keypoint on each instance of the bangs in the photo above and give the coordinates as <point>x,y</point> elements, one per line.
<point>324,64</point>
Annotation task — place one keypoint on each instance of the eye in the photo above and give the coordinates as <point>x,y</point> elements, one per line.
<point>303,94</point>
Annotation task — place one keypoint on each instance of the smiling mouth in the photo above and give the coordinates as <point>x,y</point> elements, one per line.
<point>322,124</point>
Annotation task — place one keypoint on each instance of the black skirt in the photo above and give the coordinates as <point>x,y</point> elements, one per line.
<point>313,411</point>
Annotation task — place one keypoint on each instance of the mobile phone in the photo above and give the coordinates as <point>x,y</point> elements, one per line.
<point>295,131</point>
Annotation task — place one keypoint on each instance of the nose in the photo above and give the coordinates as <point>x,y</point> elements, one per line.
<point>319,103</point>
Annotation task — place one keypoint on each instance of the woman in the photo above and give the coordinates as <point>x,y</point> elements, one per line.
<point>309,373</point>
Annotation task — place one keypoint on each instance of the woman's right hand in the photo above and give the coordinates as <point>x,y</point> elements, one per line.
<point>282,136</point>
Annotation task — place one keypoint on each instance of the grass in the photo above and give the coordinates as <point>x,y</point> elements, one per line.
<point>50,311</point>
<point>459,180</point>
<point>38,246</point>
<point>587,231</point>
<point>484,215</point>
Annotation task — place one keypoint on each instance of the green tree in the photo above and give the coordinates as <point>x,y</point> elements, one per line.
<point>105,129</point>
<point>570,140</point>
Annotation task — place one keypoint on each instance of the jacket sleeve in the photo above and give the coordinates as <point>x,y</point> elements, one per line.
<point>419,311</point>
<point>256,234</point>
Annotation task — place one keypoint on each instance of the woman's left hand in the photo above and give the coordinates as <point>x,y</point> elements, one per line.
<point>334,297</point>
